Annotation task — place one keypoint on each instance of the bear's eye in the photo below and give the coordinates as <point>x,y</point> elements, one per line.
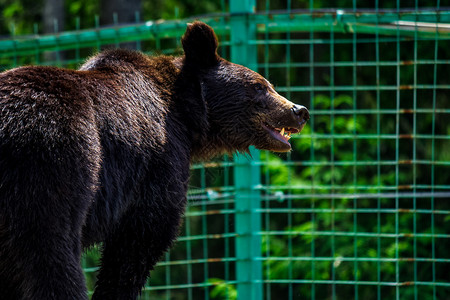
<point>259,87</point>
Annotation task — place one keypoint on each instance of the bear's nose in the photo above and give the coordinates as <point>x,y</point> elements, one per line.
<point>301,112</point>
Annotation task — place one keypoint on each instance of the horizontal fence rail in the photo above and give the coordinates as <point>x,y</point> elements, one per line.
<point>406,23</point>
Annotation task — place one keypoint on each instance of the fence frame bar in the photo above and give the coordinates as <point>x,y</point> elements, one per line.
<point>247,171</point>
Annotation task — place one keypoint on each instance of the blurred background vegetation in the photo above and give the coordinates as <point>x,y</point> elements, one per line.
<point>21,16</point>
<point>354,157</point>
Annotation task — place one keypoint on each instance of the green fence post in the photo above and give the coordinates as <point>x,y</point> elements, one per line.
<point>247,170</point>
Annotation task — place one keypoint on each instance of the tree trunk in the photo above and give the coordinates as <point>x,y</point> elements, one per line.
<point>125,12</point>
<point>53,17</point>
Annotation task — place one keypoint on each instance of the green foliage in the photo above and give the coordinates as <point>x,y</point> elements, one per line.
<point>327,232</point>
<point>91,259</point>
<point>24,16</point>
<point>18,16</point>
<point>82,11</point>
<point>222,289</point>
<point>172,9</point>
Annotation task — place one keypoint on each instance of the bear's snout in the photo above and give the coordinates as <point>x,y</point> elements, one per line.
<point>301,113</point>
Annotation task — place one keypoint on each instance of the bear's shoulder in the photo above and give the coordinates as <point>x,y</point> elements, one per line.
<point>116,58</point>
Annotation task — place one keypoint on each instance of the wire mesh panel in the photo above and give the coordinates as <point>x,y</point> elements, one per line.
<point>362,224</point>
<point>360,208</point>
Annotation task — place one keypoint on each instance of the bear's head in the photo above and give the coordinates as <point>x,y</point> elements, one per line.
<point>243,108</point>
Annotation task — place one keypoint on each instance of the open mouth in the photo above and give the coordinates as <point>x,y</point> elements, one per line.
<point>282,134</point>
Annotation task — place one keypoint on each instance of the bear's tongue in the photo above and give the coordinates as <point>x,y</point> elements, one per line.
<point>282,135</point>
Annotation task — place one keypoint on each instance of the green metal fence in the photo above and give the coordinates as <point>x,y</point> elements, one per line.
<point>361,207</point>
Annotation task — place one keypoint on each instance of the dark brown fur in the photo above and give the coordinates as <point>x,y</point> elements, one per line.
<point>102,154</point>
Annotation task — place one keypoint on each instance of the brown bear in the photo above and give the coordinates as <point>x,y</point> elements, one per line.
<point>102,155</point>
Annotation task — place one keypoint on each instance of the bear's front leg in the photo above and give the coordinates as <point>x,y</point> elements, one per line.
<point>40,265</point>
<point>133,249</point>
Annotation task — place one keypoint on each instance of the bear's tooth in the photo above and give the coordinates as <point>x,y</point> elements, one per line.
<point>282,131</point>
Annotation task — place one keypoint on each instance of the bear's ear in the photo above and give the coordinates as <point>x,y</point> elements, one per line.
<point>200,45</point>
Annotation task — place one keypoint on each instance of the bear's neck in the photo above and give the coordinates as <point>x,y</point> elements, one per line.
<point>190,103</point>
